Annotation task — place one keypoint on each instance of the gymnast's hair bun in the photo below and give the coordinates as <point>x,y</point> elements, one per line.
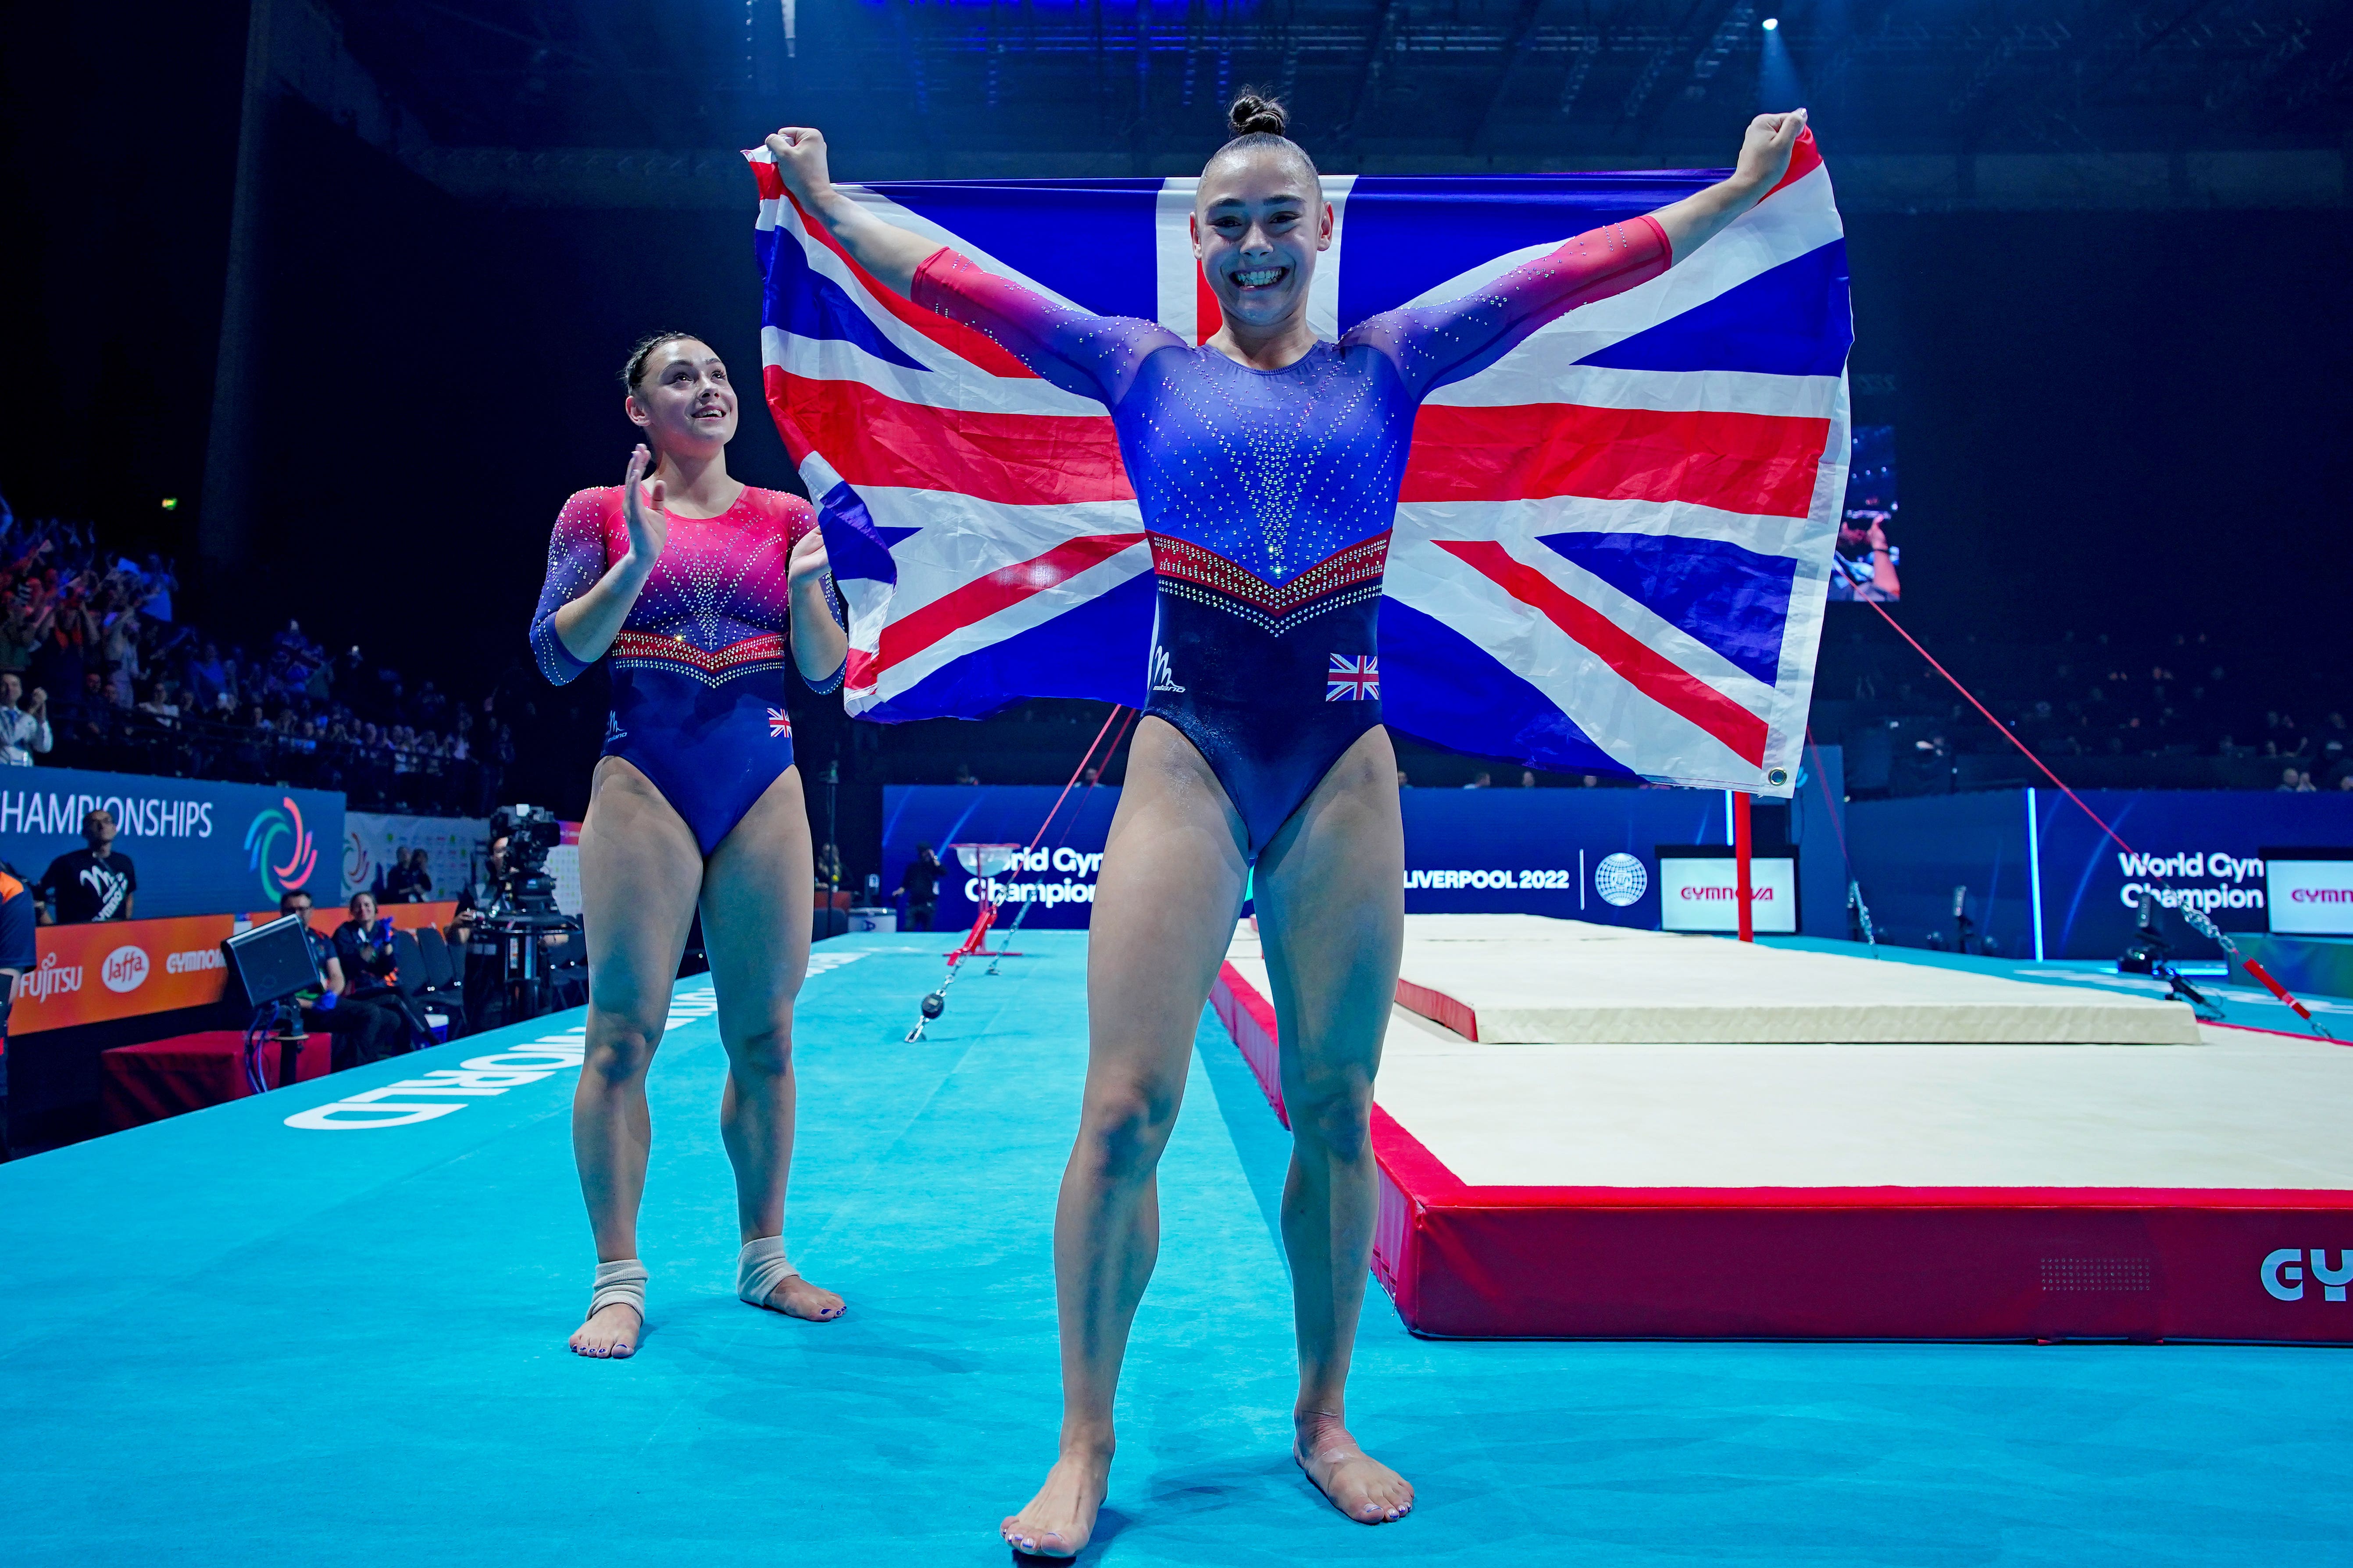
<point>1257,113</point>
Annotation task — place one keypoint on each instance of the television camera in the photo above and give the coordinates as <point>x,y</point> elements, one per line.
<point>522,917</point>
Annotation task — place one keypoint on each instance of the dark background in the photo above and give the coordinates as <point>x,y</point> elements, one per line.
<point>2109,422</point>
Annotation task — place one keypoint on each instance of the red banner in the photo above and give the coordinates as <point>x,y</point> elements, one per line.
<point>121,969</point>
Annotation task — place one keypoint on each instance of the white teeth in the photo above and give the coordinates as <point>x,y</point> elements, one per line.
<point>1258,277</point>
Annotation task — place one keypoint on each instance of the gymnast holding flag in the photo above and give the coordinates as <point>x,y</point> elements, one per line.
<point>1267,466</point>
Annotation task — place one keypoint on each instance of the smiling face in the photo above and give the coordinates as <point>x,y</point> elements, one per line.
<point>1259,218</point>
<point>685,401</point>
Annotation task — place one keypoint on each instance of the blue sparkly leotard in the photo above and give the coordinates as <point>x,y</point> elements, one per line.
<point>699,665</point>
<point>1269,495</point>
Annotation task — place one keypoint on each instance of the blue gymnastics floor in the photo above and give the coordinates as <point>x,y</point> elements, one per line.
<point>232,1341</point>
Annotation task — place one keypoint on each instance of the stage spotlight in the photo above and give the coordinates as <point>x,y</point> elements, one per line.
<point>1777,86</point>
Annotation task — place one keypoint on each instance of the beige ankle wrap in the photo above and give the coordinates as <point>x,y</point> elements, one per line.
<point>760,1267</point>
<point>620,1282</point>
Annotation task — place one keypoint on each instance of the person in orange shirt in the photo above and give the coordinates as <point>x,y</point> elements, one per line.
<point>17,957</point>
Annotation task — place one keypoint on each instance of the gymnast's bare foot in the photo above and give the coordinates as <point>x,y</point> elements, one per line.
<point>796,1297</point>
<point>1059,1519</point>
<point>1360,1486</point>
<point>612,1330</point>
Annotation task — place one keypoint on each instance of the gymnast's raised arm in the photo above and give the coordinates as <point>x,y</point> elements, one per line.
<point>1764,159</point>
<point>884,249</point>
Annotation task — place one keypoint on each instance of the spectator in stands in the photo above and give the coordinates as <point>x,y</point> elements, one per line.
<point>408,881</point>
<point>1480,780</point>
<point>67,651</point>
<point>208,680</point>
<point>1528,779</point>
<point>86,717</point>
<point>2294,780</point>
<point>159,706</point>
<point>17,916</point>
<point>92,884</point>
<point>120,647</point>
<point>24,726</point>
<point>922,885</point>
<point>21,633</point>
<point>963,774</point>
<point>362,1028</point>
<point>156,583</point>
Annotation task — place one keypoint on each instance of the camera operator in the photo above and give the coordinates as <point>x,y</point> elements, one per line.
<point>362,1028</point>
<point>479,896</point>
<point>476,946</point>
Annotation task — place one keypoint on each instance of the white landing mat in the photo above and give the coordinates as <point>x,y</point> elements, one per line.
<point>1527,980</point>
<point>2244,1109</point>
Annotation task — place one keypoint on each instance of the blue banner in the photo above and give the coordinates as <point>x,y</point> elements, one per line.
<point>1056,880</point>
<point>199,848</point>
<point>2063,888</point>
<point>1575,854</point>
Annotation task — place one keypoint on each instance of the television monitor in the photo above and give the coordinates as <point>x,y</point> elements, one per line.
<point>272,961</point>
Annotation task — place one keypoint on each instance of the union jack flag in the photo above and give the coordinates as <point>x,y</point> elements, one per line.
<point>1612,546</point>
<point>779,722</point>
<point>1354,676</point>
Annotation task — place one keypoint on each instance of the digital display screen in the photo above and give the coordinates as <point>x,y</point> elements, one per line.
<point>1868,554</point>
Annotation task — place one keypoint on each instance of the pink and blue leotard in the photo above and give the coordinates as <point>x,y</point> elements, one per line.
<point>1270,496</point>
<point>699,665</point>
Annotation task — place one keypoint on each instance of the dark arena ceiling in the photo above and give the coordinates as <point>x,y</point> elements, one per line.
<point>465,89</point>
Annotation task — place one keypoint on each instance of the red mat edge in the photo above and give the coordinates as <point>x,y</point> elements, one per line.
<point>1425,1206</point>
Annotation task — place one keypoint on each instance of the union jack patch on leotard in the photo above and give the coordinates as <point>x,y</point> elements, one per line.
<point>779,723</point>
<point>1353,677</point>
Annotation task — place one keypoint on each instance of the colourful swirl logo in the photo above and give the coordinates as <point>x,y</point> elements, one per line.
<point>278,831</point>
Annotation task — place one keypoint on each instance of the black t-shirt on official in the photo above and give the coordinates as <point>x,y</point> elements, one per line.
<point>90,889</point>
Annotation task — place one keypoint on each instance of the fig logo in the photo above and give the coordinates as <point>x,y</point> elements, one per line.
<point>125,969</point>
<point>280,849</point>
<point>1620,879</point>
<point>2284,1273</point>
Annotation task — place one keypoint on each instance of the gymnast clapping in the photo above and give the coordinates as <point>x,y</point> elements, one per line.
<point>691,586</point>
<point>1267,466</point>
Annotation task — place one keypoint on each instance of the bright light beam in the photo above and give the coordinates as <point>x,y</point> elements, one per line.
<point>1778,87</point>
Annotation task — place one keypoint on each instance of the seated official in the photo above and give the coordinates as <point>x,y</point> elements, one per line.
<point>364,1028</point>
<point>363,943</point>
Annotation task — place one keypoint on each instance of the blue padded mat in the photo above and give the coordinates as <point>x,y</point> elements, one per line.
<point>233,1341</point>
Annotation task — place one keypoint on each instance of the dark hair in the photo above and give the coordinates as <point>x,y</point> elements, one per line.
<point>635,371</point>
<point>1258,119</point>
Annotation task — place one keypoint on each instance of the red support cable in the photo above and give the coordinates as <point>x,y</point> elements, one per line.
<point>2227,945</point>
<point>1997,724</point>
<point>1115,711</point>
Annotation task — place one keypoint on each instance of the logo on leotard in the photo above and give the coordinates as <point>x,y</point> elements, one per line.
<point>779,723</point>
<point>1164,670</point>
<point>1353,677</point>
